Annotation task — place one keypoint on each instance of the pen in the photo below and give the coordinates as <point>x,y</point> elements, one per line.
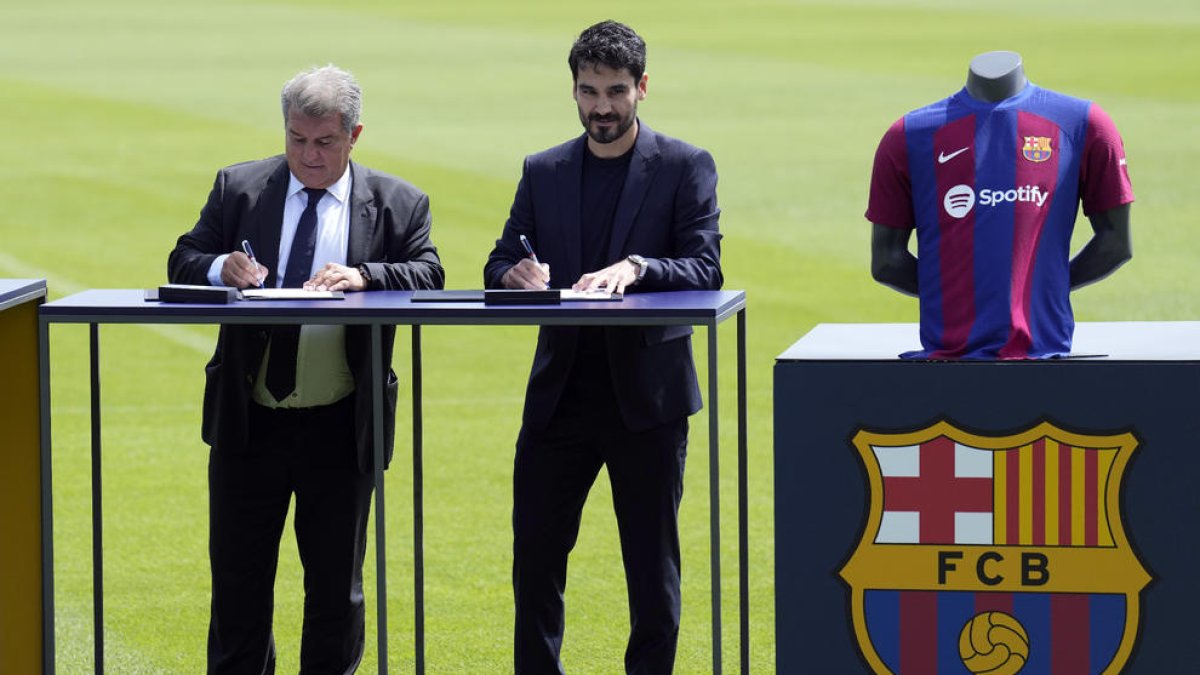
<point>529,250</point>
<point>530,253</point>
<point>250,254</point>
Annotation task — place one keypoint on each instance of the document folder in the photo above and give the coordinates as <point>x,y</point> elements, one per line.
<point>521,297</point>
<point>187,293</point>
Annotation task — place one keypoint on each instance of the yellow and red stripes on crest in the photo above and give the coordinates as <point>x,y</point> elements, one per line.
<point>1052,494</point>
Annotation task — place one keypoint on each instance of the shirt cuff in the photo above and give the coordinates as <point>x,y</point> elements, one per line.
<point>214,270</point>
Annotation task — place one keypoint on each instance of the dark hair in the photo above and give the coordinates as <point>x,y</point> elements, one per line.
<point>611,44</point>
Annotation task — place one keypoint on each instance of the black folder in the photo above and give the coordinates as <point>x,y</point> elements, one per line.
<point>187,293</point>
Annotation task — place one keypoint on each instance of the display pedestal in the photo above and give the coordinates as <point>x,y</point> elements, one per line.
<point>21,526</point>
<point>1055,499</point>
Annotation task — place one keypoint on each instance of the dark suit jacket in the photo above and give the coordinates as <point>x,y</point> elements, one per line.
<point>389,232</point>
<point>667,213</point>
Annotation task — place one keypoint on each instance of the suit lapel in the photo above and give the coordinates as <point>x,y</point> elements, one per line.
<point>570,173</point>
<point>642,167</point>
<point>267,222</point>
<point>362,217</point>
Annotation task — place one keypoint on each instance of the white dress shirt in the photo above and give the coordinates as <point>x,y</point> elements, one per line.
<point>322,374</point>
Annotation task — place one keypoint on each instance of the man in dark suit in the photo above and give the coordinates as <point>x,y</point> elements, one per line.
<point>627,209</point>
<point>287,409</point>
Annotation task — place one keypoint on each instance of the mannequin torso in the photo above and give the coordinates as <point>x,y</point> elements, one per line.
<point>995,76</point>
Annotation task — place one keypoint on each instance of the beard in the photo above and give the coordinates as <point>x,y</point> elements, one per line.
<point>607,135</point>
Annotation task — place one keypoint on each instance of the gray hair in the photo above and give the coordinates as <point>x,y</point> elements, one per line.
<point>321,92</point>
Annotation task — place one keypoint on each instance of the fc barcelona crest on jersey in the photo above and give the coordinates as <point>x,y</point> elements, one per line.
<point>994,554</point>
<point>1037,148</point>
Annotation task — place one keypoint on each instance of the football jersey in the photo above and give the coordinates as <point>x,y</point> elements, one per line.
<point>993,190</point>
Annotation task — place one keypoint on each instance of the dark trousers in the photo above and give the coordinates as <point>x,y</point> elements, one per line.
<point>554,470</point>
<point>310,454</point>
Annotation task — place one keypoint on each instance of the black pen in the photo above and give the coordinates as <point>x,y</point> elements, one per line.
<point>250,254</point>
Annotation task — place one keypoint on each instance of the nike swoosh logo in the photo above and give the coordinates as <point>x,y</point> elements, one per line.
<point>943,157</point>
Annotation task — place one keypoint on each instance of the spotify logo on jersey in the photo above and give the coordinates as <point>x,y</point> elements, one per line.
<point>959,200</point>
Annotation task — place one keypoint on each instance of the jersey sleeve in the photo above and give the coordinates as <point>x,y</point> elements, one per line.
<point>890,200</point>
<point>1104,176</point>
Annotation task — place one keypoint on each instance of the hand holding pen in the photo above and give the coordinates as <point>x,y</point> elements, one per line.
<point>259,271</point>
<point>529,272</point>
<point>241,270</point>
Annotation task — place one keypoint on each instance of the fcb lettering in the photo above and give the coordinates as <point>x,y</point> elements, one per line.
<point>1034,568</point>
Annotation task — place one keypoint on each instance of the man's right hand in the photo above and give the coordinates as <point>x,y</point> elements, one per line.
<point>525,275</point>
<point>240,272</point>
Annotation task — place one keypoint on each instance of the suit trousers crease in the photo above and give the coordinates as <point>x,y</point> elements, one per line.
<point>553,471</point>
<point>308,453</point>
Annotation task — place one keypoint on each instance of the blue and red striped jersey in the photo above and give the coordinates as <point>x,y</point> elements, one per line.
<point>993,190</point>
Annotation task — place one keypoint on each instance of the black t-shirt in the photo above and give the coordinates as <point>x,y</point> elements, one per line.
<point>599,193</point>
<point>603,179</point>
<point>590,383</point>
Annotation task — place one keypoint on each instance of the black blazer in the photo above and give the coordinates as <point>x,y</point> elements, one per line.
<point>389,232</point>
<point>667,213</point>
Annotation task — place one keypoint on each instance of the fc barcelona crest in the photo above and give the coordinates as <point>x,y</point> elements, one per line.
<point>1037,148</point>
<point>995,555</point>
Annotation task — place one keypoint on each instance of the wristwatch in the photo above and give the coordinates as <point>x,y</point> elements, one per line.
<point>641,265</point>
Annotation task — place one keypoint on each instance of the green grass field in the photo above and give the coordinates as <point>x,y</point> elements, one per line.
<point>117,115</point>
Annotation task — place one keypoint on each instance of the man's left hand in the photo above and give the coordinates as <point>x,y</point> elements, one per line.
<point>613,278</point>
<point>335,277</point>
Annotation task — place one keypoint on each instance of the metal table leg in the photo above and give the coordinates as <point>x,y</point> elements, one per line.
<point>97,500</point>
<point>418,508</point>
<point>743,499</point>
<point>714,495</point>
<point>377,465</point>
<point>47,501</point>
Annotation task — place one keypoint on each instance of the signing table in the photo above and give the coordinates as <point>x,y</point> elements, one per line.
<point>377,309</point>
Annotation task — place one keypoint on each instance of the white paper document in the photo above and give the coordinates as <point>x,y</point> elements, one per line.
<point>290,294</point>
<point>568,295</point>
